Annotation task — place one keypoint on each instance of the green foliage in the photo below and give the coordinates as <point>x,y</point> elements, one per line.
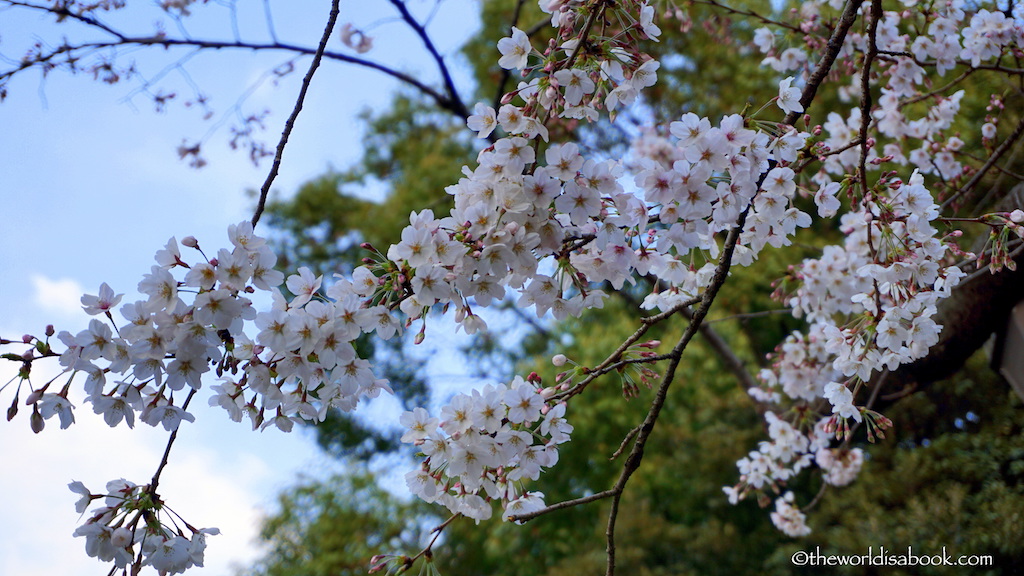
<point>333,527</point>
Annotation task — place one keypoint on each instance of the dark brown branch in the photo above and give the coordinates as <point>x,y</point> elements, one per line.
<point>290,123</point>
<point>647,427</point>
<point>865,97</point>
<point>835,45</point>
<point>609,532</point>
<point>610,363</point>
<point>457,106</point>
<point>750,14</point>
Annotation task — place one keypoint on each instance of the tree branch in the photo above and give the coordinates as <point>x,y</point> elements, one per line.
<point>290,123</point>
<point>458,107</point>
<point>450,102</point>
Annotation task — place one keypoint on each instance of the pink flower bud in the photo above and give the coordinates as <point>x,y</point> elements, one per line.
<point>559,360</point>
<point>27,338</point>
<point>190,242</point>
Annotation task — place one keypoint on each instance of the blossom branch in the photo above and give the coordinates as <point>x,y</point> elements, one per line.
<point>609,363</point>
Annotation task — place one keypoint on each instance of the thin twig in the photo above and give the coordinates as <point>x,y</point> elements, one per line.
<point>625,441</point>
<point>167,451</point>
<point>290,123</point>
<point>996,155</point>
<point>609,363</point>
<point>121,39</point>
<point>732,362</point>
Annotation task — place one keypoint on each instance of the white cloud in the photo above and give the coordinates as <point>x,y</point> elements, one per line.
<point>210,482</point>
<point>61,296</point>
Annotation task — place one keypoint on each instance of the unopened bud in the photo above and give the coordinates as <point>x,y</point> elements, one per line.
<point>50,330</point>
<point>36,422</point>
<point>190,242</point>
<point>27,338</point>
<point>559,360</point>
<point>1017,216</point>
<point>533,378</point>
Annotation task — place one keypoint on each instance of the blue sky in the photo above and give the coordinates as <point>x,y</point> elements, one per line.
<point>91,188</point>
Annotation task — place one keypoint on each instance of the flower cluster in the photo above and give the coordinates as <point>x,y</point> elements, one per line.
<point>130,530</point>
<point>484,446</point>
<point>300,364</point>
<point>788,518</point>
